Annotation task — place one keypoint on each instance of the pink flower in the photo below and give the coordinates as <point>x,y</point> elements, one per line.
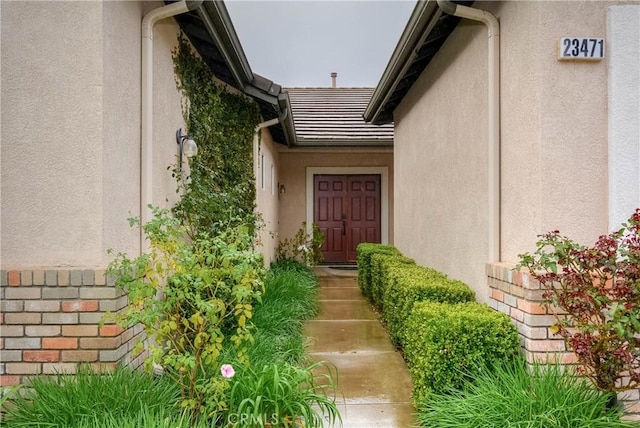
<point>227,371</point>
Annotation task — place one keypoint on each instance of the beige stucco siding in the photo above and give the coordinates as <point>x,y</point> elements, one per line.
<point>293,173</point>
<point>121,119</point>
<point>440,156</point>
<point>167,112</point>
<point>554,149</point>
<point>623,35</point>
<point>71,129</point>
<point>266,169</point>
<point>563,149</point>
<point>52,97</point>
<point>521,114</point>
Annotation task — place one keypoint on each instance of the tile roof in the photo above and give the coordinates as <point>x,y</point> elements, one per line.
<point>333,117</point>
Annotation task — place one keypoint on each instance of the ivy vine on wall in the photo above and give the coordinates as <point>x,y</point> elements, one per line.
<point>220,188</point>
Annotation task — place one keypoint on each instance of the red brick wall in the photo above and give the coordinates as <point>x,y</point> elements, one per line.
<point>49,322</point>
<point>518,295</point>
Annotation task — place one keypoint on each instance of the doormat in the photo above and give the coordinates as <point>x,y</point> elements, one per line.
<point>344,267</point>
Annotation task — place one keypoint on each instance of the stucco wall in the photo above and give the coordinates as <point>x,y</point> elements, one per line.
<point>71,129</point>
<point>267,193</point>
<point>554,137</point>
<point>167,111</point>
<point>554,151</point>
<point>52,129</point>
<point>121,119</point>
<point>623,35</point>
<point>440,157</point>
<point>293,165</point>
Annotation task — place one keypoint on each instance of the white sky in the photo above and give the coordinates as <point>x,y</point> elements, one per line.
<point>299,43</point>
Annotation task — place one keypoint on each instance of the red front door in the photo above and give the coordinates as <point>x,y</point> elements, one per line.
<point>347,210</point>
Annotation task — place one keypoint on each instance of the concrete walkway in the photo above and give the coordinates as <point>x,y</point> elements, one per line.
<point>374,387</point>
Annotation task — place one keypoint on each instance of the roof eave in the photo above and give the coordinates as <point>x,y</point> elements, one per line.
<point>288,127</point>
<point>343,143</point>
<point>423,18</point>
<point>218,24</point>
<point>215,18</point>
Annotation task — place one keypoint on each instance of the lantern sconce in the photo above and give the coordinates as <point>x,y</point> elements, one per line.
<point>186,146</point>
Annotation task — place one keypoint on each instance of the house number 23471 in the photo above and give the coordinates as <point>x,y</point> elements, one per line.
<point>581,48</point>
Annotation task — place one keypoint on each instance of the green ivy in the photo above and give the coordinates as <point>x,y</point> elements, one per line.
<point>220,187</point>
<point>194,291</point>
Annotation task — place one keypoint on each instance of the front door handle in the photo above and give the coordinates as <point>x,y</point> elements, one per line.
<point>344,224</point>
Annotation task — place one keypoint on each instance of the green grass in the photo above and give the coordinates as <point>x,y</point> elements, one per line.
<point>291,298</point>
<point>281,394</point>
<point>276,383</point>
<point>145,419</point>
<point>509,396</point>
<point>87,399</point>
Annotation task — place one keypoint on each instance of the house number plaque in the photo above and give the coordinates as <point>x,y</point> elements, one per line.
<point>581,48</point>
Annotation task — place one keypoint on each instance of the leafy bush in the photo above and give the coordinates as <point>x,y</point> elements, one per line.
<point>409,284</point>
<point>364,253</point>
<point>279,394</point>
<point>599,288</point>
<point>303,247</point>
<point>380,264</point>
<point>208,286</point>
<point>509,395</point>
<point>92,399</point>
<point>446,343</point>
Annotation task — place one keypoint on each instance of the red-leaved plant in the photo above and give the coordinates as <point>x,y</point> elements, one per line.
<point>597,292</point>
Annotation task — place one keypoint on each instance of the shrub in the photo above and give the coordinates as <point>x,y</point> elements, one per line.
<point>303,247</point>
<point>509,395</point>
<point>364,252</point>
<point>446,343</point>
<point>410,284</point>
<point>89,398</point>
<point>209,286</point>
<point>380,264</point>
<point>599,288</point>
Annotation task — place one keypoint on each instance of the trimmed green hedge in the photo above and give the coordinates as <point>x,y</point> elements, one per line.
<point>447,343</point>
<point>364,252</point>
<point>380,264</point>
<point>410,284</point>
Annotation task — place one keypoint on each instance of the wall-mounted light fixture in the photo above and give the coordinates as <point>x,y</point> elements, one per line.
<point>186,146</point>
<point>281,189</point>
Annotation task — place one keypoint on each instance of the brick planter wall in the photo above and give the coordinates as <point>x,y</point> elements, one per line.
<point>49,322</point>
<point>518,295</point>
